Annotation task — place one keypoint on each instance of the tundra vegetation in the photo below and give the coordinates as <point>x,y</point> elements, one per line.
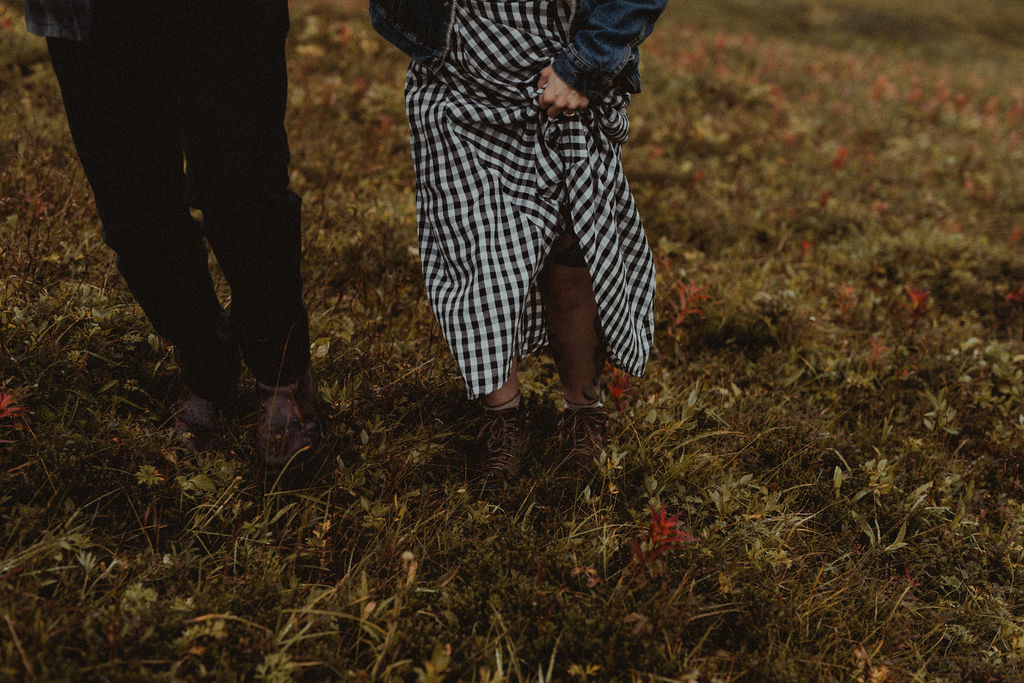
<point>819,477</point>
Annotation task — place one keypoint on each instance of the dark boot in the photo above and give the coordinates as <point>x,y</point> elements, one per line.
<point>287,425</point>
<point>501,439</point>
<point>195,421</point>
<point>583,435</point>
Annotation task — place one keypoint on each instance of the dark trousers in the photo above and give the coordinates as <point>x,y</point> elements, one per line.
<point>163,81</point>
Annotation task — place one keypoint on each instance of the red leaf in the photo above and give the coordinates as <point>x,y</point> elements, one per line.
<point>663,529</point>
<point>918,301</point>
<point>8,408</point>
<point>691,295</point>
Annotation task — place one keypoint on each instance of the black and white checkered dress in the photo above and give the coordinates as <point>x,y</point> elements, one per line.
<point>498,182</point>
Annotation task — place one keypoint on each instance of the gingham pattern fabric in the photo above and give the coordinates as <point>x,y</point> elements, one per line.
<point>498,182</point>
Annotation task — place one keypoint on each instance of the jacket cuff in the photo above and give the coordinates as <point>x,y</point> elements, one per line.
<point>579,74</point>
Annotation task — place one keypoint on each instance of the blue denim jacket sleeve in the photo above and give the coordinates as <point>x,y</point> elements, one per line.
<point>418,27</point>
<point>58,18</point>
<point>604,43</point>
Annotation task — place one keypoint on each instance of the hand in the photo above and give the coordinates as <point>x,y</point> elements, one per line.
<point>557,97</point>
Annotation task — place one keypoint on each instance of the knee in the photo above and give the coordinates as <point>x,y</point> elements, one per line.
<point>240,178</point>
<point>252,200</point>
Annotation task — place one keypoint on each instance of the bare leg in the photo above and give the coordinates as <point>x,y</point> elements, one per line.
<point>571,311</point>
<point>506,392</point>
<point>568,294</point>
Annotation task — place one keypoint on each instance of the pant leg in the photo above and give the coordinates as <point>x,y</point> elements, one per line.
<point>234,87</point>
<point>120,106</point>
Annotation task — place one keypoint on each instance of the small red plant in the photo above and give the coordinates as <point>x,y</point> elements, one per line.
<point>839,160</point>
<point>846,299</point>
<point>691,295</point>
<point>918,302</point>
<point>662,535</point>
<point>618,386</point>
<point>8,408</point>
<point>11,412</point>
<point>1016,297</point>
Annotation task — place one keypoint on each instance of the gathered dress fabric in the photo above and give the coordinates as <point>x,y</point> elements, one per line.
<point>497,182</point>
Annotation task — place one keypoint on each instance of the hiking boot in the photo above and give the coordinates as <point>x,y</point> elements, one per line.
<point>195,421</point>
<point>583,434</point>
<point>501,439</point>
<point>287,425</point>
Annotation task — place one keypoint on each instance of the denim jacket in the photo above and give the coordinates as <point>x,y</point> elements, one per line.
<point>602,53</point>
<point>58,18</point>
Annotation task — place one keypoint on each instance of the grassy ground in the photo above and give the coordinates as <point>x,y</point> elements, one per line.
<point>834,408</point>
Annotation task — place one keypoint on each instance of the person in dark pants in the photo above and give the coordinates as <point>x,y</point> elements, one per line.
<point>175,104</point>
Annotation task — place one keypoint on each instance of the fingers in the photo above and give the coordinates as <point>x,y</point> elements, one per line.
<point>544,77</point>
<point>557,97</point>
<point>557,101</point>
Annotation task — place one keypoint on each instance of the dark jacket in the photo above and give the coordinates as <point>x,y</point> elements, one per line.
<point>602,53</point>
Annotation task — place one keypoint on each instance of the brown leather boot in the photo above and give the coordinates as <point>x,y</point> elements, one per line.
<point>583,435</point>
<point>501,439</point>
<point>287,426</point>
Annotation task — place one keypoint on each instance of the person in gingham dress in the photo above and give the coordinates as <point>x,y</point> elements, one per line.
<point>528,233</point>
